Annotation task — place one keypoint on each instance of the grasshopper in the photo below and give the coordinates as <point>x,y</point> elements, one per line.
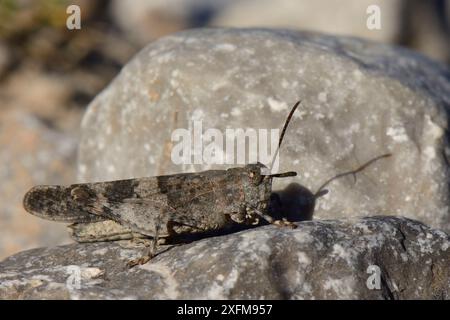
<point>160,207</point>
<point>163,207</point>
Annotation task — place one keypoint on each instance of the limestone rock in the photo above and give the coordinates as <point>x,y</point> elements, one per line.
<point>360,100</point>
<point>330,259</point>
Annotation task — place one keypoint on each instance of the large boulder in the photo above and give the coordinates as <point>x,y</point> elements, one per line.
<point>368,258</point>
<point>360,100</point>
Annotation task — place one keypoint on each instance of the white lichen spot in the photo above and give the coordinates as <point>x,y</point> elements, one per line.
<point>341,252</point>
<point>303,258</point>
<point>299,114</point>
<point>170,289</point>
<point>100,252</point>
<point>429,153</point>
<point>220,291</point>
<point>254,245</point>
<point>357,74</point>
<point>277,106</point>
<point>432,130</point>
<point>42,278</point>
<point>197,115</point>
<point>90,273</point>
<point>303,237</point>
<point>343,288</point>
<point>236,112</point>
<point>226,47</point>
<point>318,116</point>
<point>174,83</point>
<point>354,128</point>
<point>101,145</point>
<point>128,254</point>
<point>82,169</point>
<point>111,169</point>
<point>220,277</point>
<point>216,85</point>
<point>164,58</point>
<point>269,43</point>
<point>323,97</point>
<point>397,134</point>
<point>424,245</point>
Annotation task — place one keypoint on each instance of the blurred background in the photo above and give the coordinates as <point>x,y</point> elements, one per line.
<point>49,74</point>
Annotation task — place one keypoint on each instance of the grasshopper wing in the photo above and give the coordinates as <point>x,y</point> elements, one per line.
<point>197,201</point>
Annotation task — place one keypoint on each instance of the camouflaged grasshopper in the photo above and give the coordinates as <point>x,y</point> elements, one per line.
<point>162,206</point>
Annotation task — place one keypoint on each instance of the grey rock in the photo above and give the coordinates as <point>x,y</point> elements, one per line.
<point>330,259</point>
<point>360,100</point>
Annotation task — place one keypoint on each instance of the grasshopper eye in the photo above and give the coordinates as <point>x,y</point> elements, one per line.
<point>255,177</point>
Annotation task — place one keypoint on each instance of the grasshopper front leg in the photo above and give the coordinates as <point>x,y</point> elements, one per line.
<point>281,223</point>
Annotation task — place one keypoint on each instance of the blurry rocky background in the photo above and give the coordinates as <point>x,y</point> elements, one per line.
<point>49,74</point>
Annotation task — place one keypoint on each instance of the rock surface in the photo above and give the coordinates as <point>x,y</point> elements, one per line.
<point>360,100</point>
<point>329,259</point>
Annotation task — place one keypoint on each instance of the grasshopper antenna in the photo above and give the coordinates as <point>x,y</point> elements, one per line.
<point>286,123</point>
<point>321,191</point>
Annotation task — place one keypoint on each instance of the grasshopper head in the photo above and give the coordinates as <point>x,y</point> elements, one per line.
<point>258,186</point>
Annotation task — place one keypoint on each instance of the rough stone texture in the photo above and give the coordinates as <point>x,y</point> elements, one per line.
<point>360,100</point>
<point>318,260</point>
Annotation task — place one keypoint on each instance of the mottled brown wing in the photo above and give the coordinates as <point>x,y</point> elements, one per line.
<point>198,201</point>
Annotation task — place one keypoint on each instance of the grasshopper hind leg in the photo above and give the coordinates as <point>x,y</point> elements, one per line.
<point>107,230</point>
